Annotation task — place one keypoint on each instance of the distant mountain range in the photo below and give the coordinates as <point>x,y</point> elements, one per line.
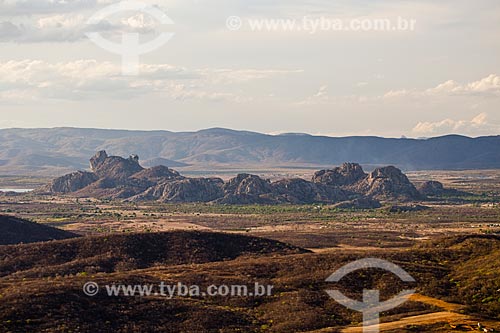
<point>59,150</point>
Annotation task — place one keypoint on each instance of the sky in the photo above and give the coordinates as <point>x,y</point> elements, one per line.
<point>320,66</point>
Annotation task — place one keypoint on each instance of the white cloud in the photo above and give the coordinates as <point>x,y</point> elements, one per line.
<point>229,76</point>
<point>480,119</point>
<point>323,97</point>
<point>487,87</point>
<point>490,84</point>
<point>477,124</point>
<point>72,28</point>
<point>90,79</point>
<point>322,92</point>
<point>30,7</point>
<point>320,97</point>
<point>139,22</point>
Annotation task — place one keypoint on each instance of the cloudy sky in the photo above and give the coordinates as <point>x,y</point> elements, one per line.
<point>279,66</point>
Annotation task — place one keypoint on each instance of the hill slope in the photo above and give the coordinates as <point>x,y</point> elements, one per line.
<point>58,150</point>
<point>132,251</point>
<point>15,231</point>
<point>299,302</point>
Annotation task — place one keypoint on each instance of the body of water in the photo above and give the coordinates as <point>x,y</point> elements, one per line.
<point>16,190</point>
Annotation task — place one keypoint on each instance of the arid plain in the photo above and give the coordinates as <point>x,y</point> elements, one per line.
<point>450,245</point>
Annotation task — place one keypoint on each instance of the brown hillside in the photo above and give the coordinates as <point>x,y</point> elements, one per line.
<point>132,251</point>
<point>299,302</point>
<point>16,231</point>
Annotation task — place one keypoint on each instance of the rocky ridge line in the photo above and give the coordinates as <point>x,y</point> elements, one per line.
<point>115,177</point>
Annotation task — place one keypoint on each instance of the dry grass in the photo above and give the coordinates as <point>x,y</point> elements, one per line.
<point>56,303</point>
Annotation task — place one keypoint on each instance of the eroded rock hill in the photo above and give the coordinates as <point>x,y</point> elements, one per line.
<point>436,189</point>
<point>346,174</point>
<point>120,178</point>
<point>387,183</point>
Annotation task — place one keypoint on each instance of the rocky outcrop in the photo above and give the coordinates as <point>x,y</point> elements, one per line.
<point>348,185</point>
<point>113,189</point>
<point>437,189</point>
<point>184,190</point>
<point>301,191</point>
<point>245,184</point>
<point>346,174</point>
<point>157,174</point>
<point>431,188</point>
<point>97,160</point>
<point>70,183</point>
<point>114,167</point>
<point>387,183</point>
<point>111,177</point>
<point>247,189</point>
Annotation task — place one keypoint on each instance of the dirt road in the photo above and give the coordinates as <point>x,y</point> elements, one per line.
<point>449,315</point>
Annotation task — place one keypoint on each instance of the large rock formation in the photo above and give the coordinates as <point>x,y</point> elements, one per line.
<point>431,188</point>
<point>301,191</point>
<point>97,160</point>
<point>119,178</point>
<point>346,174</point>
<point>111,177</point>
<point>387,183</point>
<point>70,183</point>
<point>245,184</point>
<point>184,190</point>
<point>435,189</point>
<point>157,174</point>
<point>114,167</point>
<point>247,189</point>
<point>114,188</point>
